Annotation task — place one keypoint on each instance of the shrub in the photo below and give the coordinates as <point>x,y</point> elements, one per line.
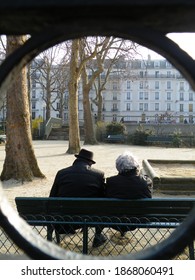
<point>140,135</point>
<point>115,128</point>
<point>100,130</point>
<point>177,141</point>
<point>36,126</point>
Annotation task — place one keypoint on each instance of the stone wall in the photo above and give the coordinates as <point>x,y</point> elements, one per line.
<point>186,129</point>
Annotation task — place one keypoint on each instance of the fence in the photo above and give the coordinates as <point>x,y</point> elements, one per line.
<point>133,241</point>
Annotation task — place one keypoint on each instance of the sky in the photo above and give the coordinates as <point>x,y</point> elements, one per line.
<point>186,41</point>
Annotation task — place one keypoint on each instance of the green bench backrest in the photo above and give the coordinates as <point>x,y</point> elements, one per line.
<point>104,207</point>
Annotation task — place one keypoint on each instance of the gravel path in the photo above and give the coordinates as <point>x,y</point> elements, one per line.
<point>51,156</point>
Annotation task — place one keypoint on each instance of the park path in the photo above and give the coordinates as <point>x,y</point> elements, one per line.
<point>51,156</point>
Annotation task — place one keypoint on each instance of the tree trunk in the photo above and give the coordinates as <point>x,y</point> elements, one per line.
<point>20,161</point>
<point>88,122</point>
<point>100,103</point>
<point>74,134</point>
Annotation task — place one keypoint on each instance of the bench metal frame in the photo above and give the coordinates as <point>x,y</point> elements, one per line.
<point>160,139</point>
<point>91,212</point>
<point>115,138</point>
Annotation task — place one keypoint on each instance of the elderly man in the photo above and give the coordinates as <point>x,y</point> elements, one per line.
<point>80,180</point>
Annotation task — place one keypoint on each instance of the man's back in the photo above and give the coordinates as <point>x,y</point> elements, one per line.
<point>78,180</point>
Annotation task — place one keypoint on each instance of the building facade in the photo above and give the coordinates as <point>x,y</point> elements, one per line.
<point>138,91</point>
<point>154,92</point>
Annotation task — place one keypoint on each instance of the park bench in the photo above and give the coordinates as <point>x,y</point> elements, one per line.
<point>115,138</point>
<point>87,213</point>
<point>159,139</point>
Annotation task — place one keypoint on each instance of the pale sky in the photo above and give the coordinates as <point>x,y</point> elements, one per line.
<point>186,41</point>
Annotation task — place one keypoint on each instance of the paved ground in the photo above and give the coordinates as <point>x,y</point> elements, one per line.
<point>51,156</point>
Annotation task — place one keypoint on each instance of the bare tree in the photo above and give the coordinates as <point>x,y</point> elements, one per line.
<point>90,48</point>
<point>75,72</point>
<point>50,73</point>
<point>20,161</point>
<point>94,52</point>
<point>113,55</point>
<point>79,57</point>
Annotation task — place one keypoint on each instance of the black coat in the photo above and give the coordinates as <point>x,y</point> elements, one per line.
<point>78,180</point>
<point>128,186</point>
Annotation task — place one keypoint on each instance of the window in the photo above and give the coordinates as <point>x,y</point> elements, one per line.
<point>181,107</point>
<point>156,84</point>
<point>128,84</point>
<point>156,106</point>
<point>128,106</point>
<point>141,107</point>
<point>128,95</point>
<point>156,95</point>
<point>168,84</point>
<point>145,106</point>
<point>168,74</point>
<point>114,95</point>
<point>58,106</point>
<point>190,96</point>
<point>157,74</point>
<point>141,73</point>
<point>146,95</point>
<point>33,105</point>
<point>190,107</point>
<point>168,106</point>
<point>141,94</point>
<point>181,85</point>
<point>33,115</point>
<point>168,95</point>
<point>114,107</point>
<point>181,96</point>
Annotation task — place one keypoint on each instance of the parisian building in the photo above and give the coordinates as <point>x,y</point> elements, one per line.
<point>136,91</point>
<point>151,91</point>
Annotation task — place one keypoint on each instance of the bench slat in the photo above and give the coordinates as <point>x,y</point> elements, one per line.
<point>102,206</point>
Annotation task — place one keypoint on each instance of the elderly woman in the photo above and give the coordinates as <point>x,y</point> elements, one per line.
<point>128,184</point>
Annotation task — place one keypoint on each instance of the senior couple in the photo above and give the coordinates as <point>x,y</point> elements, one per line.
<point>81,180</point>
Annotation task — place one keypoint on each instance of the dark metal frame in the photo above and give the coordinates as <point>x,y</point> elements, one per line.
<point>51,22</point>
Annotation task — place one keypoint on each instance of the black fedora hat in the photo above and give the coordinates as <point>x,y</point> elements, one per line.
<point>85,154</point>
